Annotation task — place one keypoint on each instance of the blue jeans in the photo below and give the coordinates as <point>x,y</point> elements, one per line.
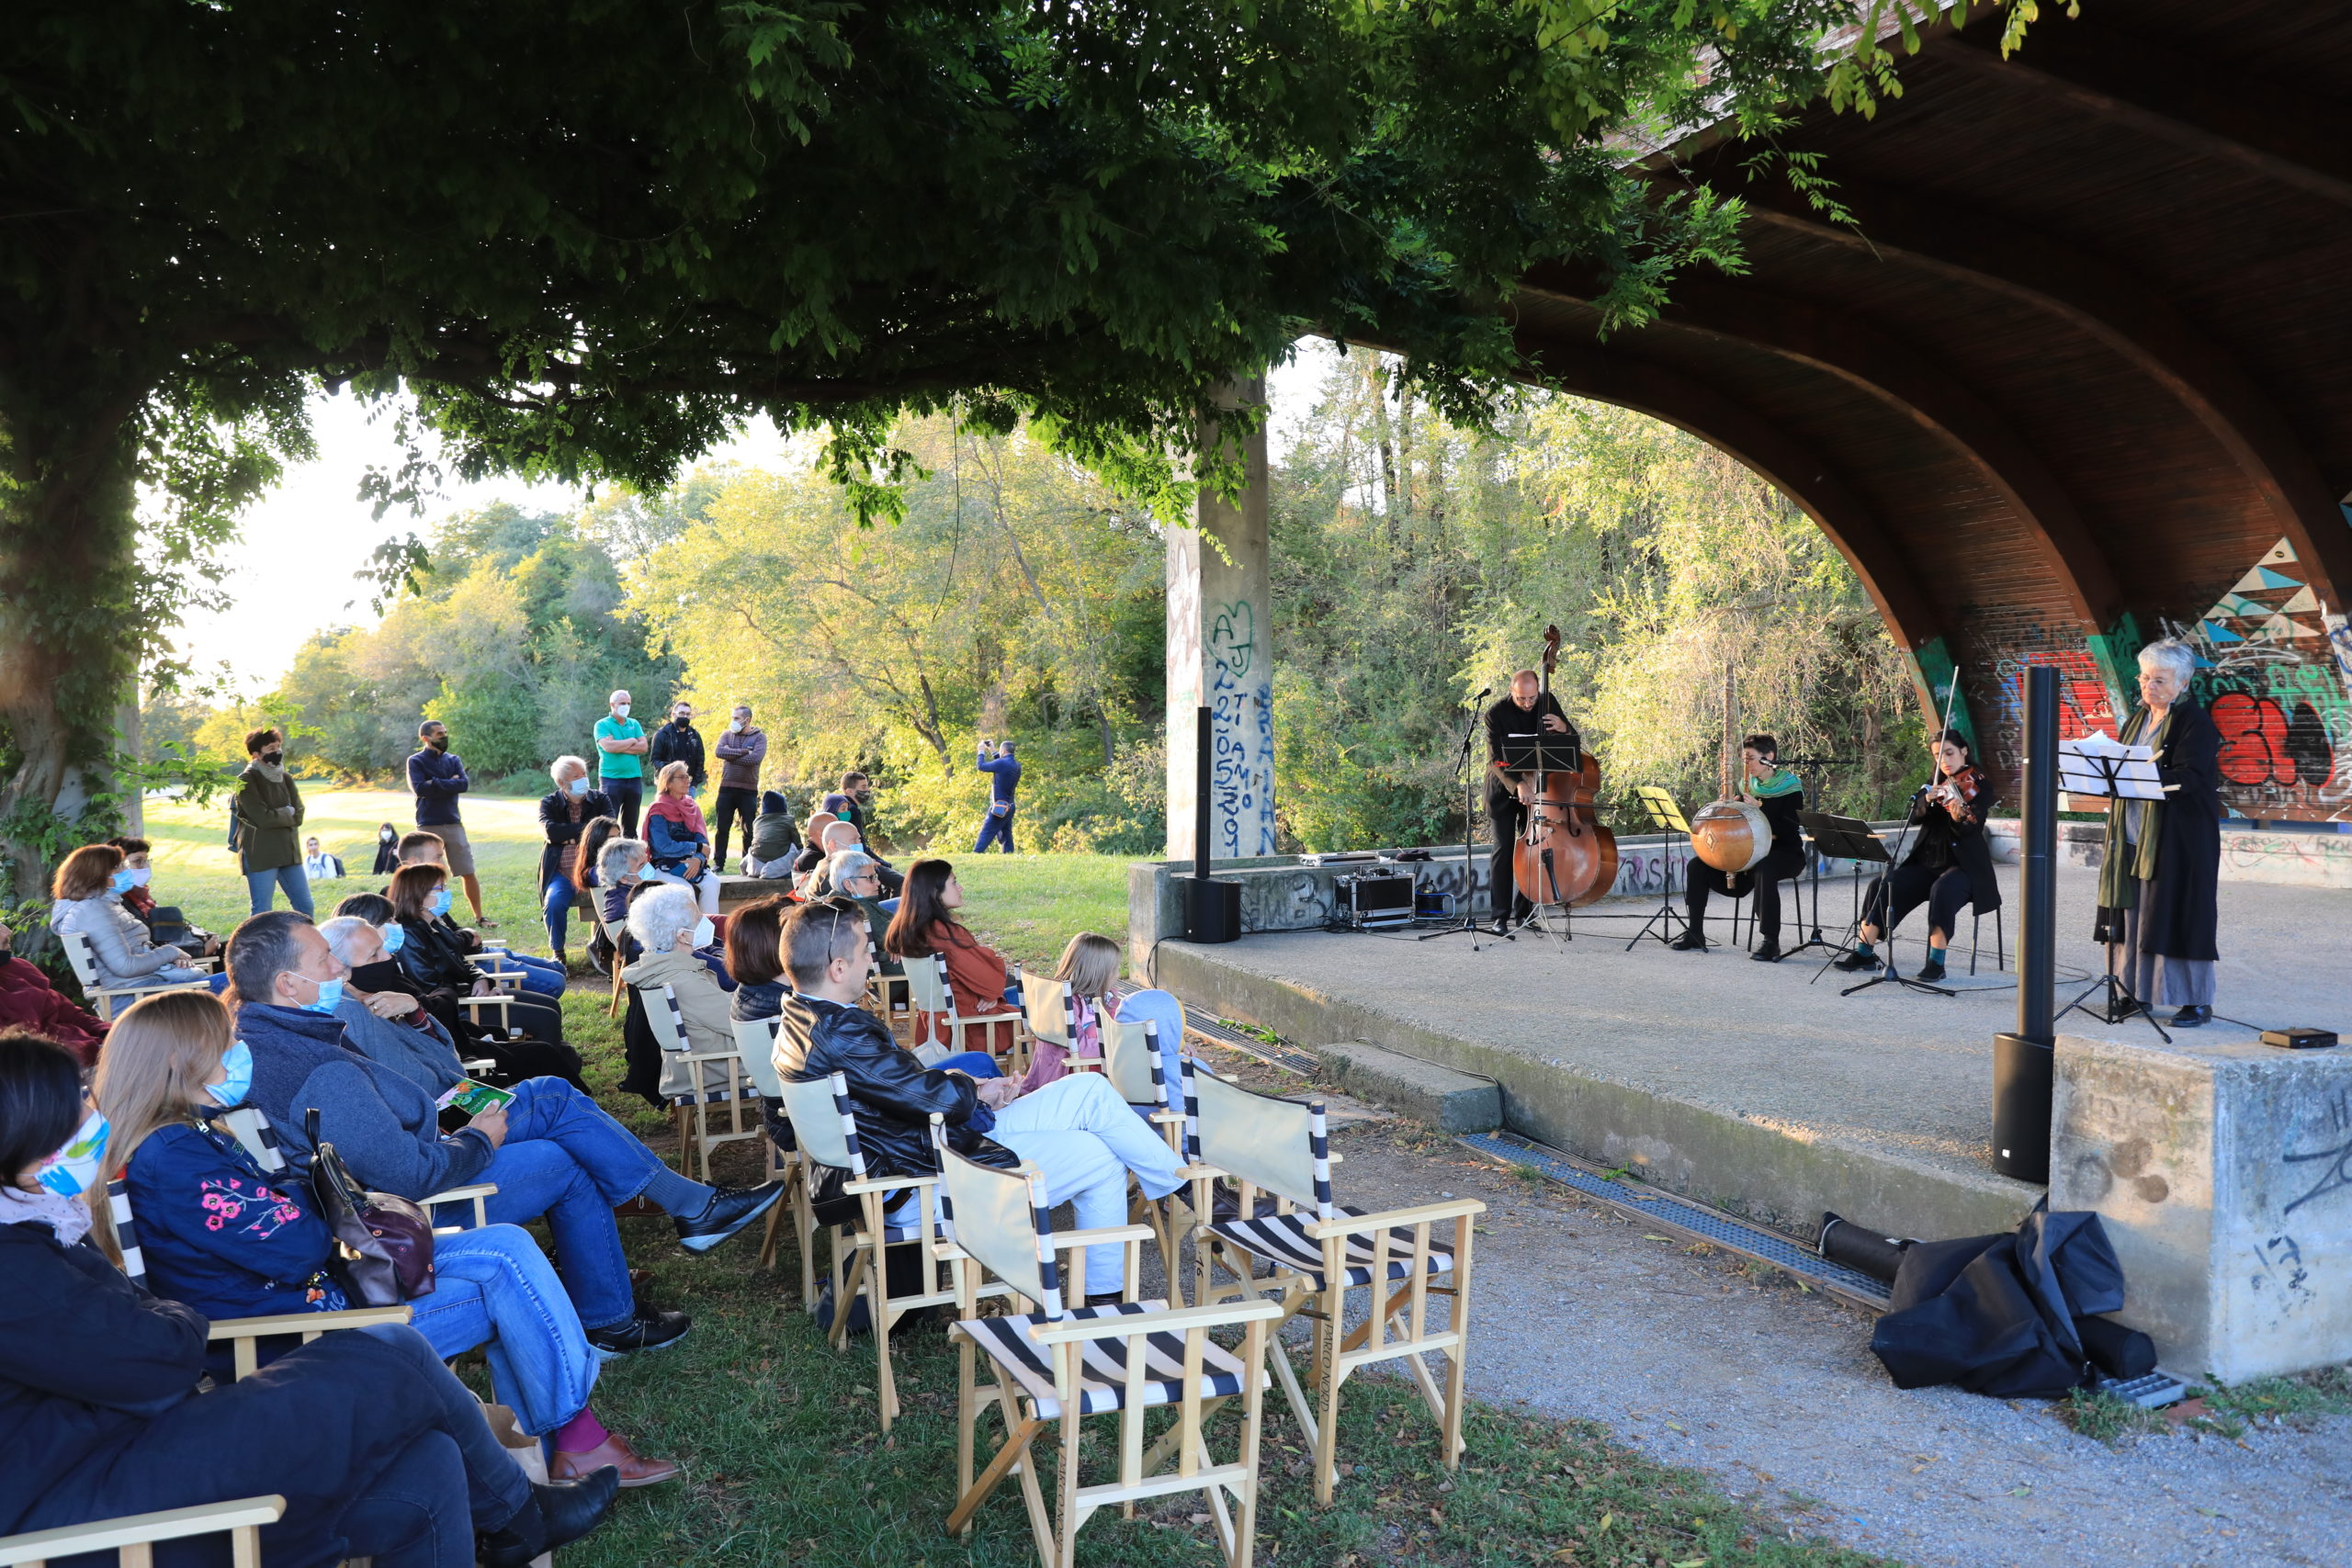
<point>422,1510</point>
<point>495,1287</point>
<point>994,827</point>
<point>262,886</point>
<point>555,909</point>
<point>541,977</point>
<point>971,1063</point>
<point>568,1160</point>
<point>626,795</point>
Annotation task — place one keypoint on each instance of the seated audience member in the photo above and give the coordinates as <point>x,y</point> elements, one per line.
<point>1077,1133</point>
<point>680,845</point>
<point>598,832</point>
<point>926,925</point>
<point>622,872</point>
<point>28,1001</point>
<point>432,958</point>
<point>395,1022</point>
<point>1090,965</point>
<point>88,889</point>
<point>776,840</point>
<point>668,931</point>
<point>855,876</point>
<point>1164,1010</point>
<point>101,1414</point>
<point>812,851</point>
<point>853,802</point>
<point>565,813</point>
<point>231,1239</point>
<point>551,1151</point>
<point>541,977</point>
<point>164,923</point>
<point>388,849</point>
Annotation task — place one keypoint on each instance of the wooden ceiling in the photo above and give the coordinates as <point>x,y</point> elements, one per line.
<point>2082,358</point>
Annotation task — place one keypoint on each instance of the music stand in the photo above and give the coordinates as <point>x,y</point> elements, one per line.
<point>1805,768</point>
<point>1549,753</point>
<point>1850,838</point>
<point>2099,768</point>
<point>1667,818</point>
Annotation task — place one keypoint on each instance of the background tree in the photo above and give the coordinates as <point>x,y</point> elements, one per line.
<point>592,238</point>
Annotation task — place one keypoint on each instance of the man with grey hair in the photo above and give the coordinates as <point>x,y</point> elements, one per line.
<point>565,812</point>
<point>2159,880</point>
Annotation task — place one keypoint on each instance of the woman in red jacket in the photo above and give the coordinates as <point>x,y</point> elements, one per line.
<point>977,976</point>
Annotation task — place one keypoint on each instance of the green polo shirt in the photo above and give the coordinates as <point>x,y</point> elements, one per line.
<point>619,765</point>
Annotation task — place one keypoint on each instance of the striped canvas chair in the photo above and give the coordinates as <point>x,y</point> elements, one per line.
<point>104,999</point>
<point>824,1125</point>
<point>1052,1366</point>
<point>1318,1253</point>
<point>927,984</point>
<point>755,1043</point>
<point>131,1541</point>
<point>719,1080</point>
<point>1131,1059</point>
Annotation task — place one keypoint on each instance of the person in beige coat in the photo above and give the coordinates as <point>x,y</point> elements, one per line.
<point>667,927</point>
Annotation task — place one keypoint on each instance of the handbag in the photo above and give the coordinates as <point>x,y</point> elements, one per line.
<point>387,1239</point>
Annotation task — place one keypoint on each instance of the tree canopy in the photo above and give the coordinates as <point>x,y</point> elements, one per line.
<point>591,236</point>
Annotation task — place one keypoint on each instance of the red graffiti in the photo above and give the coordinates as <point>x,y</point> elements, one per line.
<point>2253,740</point>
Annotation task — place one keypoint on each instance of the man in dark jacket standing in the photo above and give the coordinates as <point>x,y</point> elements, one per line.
<point>1005,779</point>
<point>741,749</point>
<point>678,742</point>
<point>436,777</point>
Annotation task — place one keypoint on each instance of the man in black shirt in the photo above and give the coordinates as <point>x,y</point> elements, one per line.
<point>1528,710</point>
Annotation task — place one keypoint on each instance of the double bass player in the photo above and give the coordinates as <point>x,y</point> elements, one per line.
<point>1528,709</point>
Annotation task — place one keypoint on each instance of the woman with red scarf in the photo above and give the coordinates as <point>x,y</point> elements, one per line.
<point>681,845</point>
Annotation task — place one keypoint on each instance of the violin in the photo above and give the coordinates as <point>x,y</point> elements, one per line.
<point>1963,786</point>
<point>1565,855</point>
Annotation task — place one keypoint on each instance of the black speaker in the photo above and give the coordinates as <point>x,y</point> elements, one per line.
<point>1212,909</point>
<point>2022,1073</point>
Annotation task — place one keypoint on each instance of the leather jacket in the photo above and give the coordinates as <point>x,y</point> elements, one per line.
<point>891,1095</point>
<point>433,960</point>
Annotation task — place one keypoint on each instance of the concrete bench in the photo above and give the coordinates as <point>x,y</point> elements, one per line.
<point>1441,1097</point>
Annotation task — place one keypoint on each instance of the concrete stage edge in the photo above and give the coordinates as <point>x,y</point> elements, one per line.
<point>1740,1085</point>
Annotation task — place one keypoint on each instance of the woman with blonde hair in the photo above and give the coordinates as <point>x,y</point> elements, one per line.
<point>1090,965</point>
<point>236,1235</point>
<point>681,844</point>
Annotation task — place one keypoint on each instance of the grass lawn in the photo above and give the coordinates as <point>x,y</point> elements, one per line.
<point>785,1461</point>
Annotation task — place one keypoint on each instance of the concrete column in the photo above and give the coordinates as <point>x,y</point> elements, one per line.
<point>1220,656</point>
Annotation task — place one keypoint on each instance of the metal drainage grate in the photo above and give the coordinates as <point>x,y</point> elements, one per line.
<point>1694,1220</point>
<point>1290,1058</point>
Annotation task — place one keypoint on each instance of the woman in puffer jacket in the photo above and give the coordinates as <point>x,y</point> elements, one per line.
<point>89,889</point>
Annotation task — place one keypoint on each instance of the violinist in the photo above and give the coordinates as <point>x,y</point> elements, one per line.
<point>1779,794</point>
<point>1949,866</point>
<point>1528,710</point>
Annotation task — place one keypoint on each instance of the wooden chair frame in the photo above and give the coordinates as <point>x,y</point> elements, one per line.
<point>690,1112</point>
<point>134,1537</point>
<point>619,945</point>
<point>1026,1264</point>
<point>105,999</point>
<point>1131,1060</point>
<point>825,1126</point>
<point>1399,1258</point>
<point>932,995</point>
<point>755,1043</point>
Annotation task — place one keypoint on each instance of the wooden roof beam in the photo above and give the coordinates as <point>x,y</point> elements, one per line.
<point>1616,376</point>
<point>2284,131</point>
<point>1971,247</point>
<point>1919,390</point>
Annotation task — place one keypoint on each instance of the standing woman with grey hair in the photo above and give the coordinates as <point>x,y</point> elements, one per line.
<point>565,812</point>
<point>2158,883</point>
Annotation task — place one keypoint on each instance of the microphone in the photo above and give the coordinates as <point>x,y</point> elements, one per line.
<point>1484,693</point>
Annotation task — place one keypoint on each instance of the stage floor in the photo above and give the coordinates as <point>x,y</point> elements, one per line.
<point>1756,1085</point>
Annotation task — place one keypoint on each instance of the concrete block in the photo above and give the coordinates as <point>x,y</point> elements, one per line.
<point>1446,1100</point>
<point>2225,1176</point>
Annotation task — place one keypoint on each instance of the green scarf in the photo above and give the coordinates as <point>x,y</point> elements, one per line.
<point>2120,875</point>
<point>1779,782</point>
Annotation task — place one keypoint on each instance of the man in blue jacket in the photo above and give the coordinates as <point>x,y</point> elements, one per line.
<point>436,777</point>
<point>1004,778</point>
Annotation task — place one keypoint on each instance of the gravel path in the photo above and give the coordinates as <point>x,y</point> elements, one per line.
<point>1773,1393</point>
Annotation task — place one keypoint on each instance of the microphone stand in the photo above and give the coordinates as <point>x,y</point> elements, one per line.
<point>1887,972</point>
<point>1463,919</point>
<point>1806,766</point>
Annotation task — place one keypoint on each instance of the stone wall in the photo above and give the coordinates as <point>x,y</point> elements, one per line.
<point>2286,857</point>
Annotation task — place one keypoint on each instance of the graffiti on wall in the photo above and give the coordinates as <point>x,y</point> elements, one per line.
<point>2274,670</point>
<point>1241,755</point>
<point>2008,648</point>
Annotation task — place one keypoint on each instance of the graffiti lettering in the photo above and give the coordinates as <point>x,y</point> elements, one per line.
<point>1241,748</point>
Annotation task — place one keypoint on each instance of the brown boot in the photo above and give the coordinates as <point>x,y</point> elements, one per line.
<point>636,1469</point>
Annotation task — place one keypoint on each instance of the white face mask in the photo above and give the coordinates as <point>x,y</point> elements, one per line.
<point>704,933</point>
<point>736,728</point>
<point>620,710</point>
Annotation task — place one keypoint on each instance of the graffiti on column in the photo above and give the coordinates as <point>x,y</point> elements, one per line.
<point>1241,758</point>
<point>2274,670</point>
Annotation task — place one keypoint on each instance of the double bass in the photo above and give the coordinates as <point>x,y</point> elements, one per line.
<point>1564,856</point>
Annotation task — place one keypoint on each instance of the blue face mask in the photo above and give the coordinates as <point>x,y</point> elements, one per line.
<point>76,1167</point>
<point>395,938</point>
<point>126,879</point>
<point>439,902</point>
<point>578,786</point>
<point>239,1061</point>
<point>329,998</point>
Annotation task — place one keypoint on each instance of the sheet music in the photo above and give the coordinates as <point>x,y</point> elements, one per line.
<point>2084,767</point>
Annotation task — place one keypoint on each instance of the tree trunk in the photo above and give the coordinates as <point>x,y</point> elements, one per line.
<point>68,649</point>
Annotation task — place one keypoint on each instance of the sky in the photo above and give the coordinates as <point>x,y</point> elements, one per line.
<point>290,571</point>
